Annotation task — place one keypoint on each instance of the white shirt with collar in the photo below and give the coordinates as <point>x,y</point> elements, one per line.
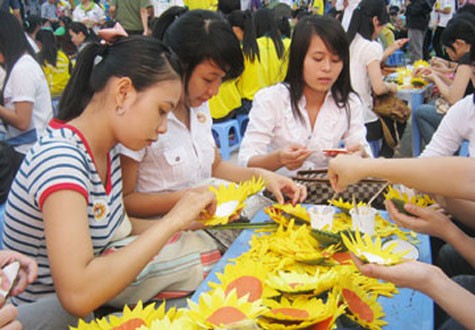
<point>272,126</point>
<point>180,158</point>
<point>457,125</point>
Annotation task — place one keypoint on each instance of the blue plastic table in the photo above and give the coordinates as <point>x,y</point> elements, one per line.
<point>407,310</point>
<point>415,98</point>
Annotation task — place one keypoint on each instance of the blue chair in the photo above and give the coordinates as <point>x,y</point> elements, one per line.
<point>243,120</point>
<point>227,136</point>
<point>463,151</point>
<point>375,147</point>
<point>396,58</point>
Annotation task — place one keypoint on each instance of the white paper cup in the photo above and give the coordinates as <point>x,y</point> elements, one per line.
<point>321,216</point>
<point>363,219</point>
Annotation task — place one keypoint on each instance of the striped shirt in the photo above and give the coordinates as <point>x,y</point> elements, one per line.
<point>60,160</point>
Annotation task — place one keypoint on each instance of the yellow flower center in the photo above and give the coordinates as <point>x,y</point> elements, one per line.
<point>292,312</point>
<point>226,315</point>
<point>130,324</point>
<point>246,285</point>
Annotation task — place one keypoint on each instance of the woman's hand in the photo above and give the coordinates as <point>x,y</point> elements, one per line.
<point>397,44</point>
<point>280,185</point>
<point>410,274</point>
<point>8,315</point>
<point>423,219</point>
<point>193,205</point>
<point>26,275</point>
<point>292,157</point>
<point>344,170</point>
<point>357,150</point>
<point>426,73</point>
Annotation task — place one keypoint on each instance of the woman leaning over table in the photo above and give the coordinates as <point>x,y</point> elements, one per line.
<point>315,108</point>
<point>457,39</point>
<point>25,103</point>
<point>65,204</point>
<point>366,54</point>
<point>186,157</point>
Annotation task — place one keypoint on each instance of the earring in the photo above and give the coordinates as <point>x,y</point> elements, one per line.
<point>120,111</point>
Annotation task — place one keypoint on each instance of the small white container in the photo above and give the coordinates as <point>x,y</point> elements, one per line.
<point>363,219</point>
<point>321,216</point>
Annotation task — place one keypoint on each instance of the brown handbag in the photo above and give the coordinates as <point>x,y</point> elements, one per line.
<point>389,105</point>
<point>319,189</point>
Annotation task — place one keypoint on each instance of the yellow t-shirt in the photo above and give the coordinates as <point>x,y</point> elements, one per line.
<point>57,77</point>
<point>318,7</point>
<point>275,68</point>
<point>252,78</point>
<point>387,35</point>
<point>227,99</point>
<point>201,4</point>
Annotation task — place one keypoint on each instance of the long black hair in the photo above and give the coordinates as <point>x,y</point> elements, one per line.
<point>200,35</point>
<point>49,48</point>
<point>265,24</point>
<point>97,63</point>
<point>243,20</point>
<point>460,27</point>
<point>13,43</point>
<point>89,34</point>
<point>335,39</point>
<point>362,20</point>
<point>32,23</point>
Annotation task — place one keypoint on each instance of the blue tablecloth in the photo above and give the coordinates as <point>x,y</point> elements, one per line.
<point>407,310</point>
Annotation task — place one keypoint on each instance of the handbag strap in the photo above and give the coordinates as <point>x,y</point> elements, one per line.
<point>388,137</point>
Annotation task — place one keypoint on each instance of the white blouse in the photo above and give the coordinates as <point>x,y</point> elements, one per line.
<point>272,126</point>
<point>180,158</point>
<point>457,125</point>
<point>362,53</point>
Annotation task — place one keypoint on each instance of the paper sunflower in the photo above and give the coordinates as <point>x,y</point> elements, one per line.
<point>230,200</point>
<point>315,257</point>
<point>289,211</point>
<point>301,313</point>
<point>399,199</point>
<point>402,74</point>
<point>130,318</point>
<point>344,207</point>
<point>216,309</point>
<point>254,185</point>
<point>418,82</point>
<point>298,283</point>
<point>296,242</point>
<point>363,308</point>
<point>372,252</point>
<point>247,277</point>
<point>177,321</point>
<point>421,64</point>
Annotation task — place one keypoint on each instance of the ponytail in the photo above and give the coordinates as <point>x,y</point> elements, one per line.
<point>78,92</point>
<point>266,25</point>
<point>249,42</point>
<point>97,63</point>
<point>362,20</point>
<point>244,21</point>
